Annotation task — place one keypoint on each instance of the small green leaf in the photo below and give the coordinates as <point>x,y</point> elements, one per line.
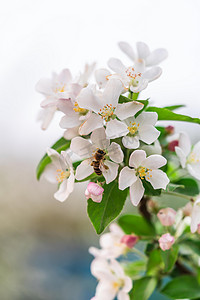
<point>192,245</point>
<point>124,99</point>
<point>190,186</point>
<point>61,145</point>
<point>170,257</point>
<point>135,269</point>
<point>101,214</point>
<point>173,187</point>
<point>143,288</point>
<point>174,107</point>
<point>136,224</point>
<point>182,287</point>
<point>155,263</point>
<point>166,114</point>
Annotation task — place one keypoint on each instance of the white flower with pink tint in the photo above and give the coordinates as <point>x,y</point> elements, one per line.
<point>142,167</point>
<point>195,216</point>
<point>112,280</point>
<point>167,216</point>
<point>166,241</point>
<point>114,243</point>
<point>100,146</point>
<point>60,171</point>
<point>94,191</point>
<point>189,157</point>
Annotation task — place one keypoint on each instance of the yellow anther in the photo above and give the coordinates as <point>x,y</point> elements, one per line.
<point>142,172</point>
<point>61,175</point>
<point>107,112</point>
<point>133,128</point>
<point>78,109</point>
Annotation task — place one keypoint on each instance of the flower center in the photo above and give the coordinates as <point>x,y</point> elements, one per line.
<point>60,89</point>
<point>107,112</point>
<point>61,175</point>
<point>193,158</point>
<point>142,172</point>
<point>133,127</point>
<point>118,284</point>
<point>81,111</point>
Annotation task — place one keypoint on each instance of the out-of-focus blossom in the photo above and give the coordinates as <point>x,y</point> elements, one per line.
<point>195,217</point>
<point>85,75</point>
<point>167,216</point>
<point>187,209</point>
<point>112,280</point>
<point>144,54</point>
<point>172,145</point>
<point>141,128</point>
<point>169,129</point>
<point>189,157</point>
<point>155,148</point>
<point>142,167</point>
<point>94,191</point>
<point>99,146</point>
<point>166,241</point>
<point>60,171</point>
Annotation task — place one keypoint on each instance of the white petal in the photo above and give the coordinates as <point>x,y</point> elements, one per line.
<point>143,50</point>
<point>50,173</point>
<point>123,296</point>
<point>159,179</point>
<point>131,142</point>
<point>127,49</point>
<point>82,147</point>
<point>136,192</point>
<point>152,73</point>
<point>64,189</point>
<point>105,291</point>
<point>84,170</point>
<point>196,150</point>
<point>44,86</point>
<point>112,92</point>
<point>156,57</point>
<point>126,110</point>
<point>115,152</point>
<point>115,129</point>
<point>54,155</point>
<point>154,162</point>
<point>49,102</point>
<point>98,138</point>
<point>194,170</point>
<point>101,77</point>
<point>65,76</point>
<point>87,99</point>
<point>128,284</point>
<point>136,158</point>
<point>70,133</point>
<point>181,155</point>
<point>184,143</point>
<point>147,118</point>
<point>126,178</point>
<point>148,133</point>
<point>116,65</point>
<point>70,121</point>
<point>116,229</point>
<point>195,217</point>
<point>66,106</point>
<point>111,173</point>
<point>93,122</point>
<point>46,116</point>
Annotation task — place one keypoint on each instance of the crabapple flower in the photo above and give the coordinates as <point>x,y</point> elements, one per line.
<point>167,216</point>
<point>107,109</point>
<point>166,241</point>
<point>85,75</point>
<point>94,191</point>
<point>45,116</point>
<point>60,170</point>
<point>155,148</point>
<point>114,243</point>
<point>141,128</point>
<point>189,157</point>
<point>98,146</point>
<point>112,280</point>
<point>143,53</point>
<point>195,216</point>
<point>134,78</point>
<point>142,167</point>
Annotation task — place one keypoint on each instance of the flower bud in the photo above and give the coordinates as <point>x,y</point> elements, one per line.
<point>129,240</point>
<point>166,241</point>
<point>94,191</point>
<point>167,216</point>
<point>169,129</point>
<point>172,145</point>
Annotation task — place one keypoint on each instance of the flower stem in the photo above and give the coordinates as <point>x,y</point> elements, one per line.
<point>177,195</point>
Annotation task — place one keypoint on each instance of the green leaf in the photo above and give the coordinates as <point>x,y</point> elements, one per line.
<point>192,245</point>
<point>143,288</point>
<point>61,145</point>
<point>149,190</point>
<point>136,224</point>
<point>124,99</point>
<point>182,287</point>
<point>101,214</point>
<point>135,96</point>
<point>155,263</point>
<point>166,114</point>
<point>174,107</point>
<point>135,269</point>
<point>170,257</point>
<point>190,186</point>
<point>173,187</point>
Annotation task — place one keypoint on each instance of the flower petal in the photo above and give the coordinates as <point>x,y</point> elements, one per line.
<point>181,155</point>
<point>101,77</point>
<point>148,134</point>
<point>70,133</point>
<point>70,121</point>
<point>126,110</point>
<point>136,192</point>
<point>116,65</point>
<point>158,179</point>
<point>92,122</point>
<point>115,129</point>
<point>50,173</point>
<point>194,170</point>
<point>126,178</point>
<point>115,152</point>
<point>65,77</point>
<point>111,92</point>
<point>84,169</point>
<point>142,49</point>
<point>98,138</point>
<point>82,147</point>
<point>156,57</point>
<point>66,106</point>
<point>123,295</point>
<point>195,217</point>
<point>127,49</point>
<point>147,118</point>
<point>152,73</point>
<point>184,143</point>
<point>154,162</point>
<point>131,142</point>
<point>87,99</point>
<point>44,87</point>
<point>136,158</point>
<point>111,173</point>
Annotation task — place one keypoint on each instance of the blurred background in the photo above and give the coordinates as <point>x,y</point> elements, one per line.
<point>44,243</point>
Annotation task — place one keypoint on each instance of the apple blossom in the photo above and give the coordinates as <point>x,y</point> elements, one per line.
<point>142,167</point>
<point>167,216</point>
<point>143,53</point>
<point>141,128</point>
<point>88,149</point>
<point>155,148</point>
<point>60,171</point>
<point>107,109</point>
<point>195,216</point>
<point>166,241</point>
<point>112,280</point>
<point>94,191</point>
<point>189,157</point>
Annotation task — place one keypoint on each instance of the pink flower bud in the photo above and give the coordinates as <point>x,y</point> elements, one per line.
<point>166,241</point>
<point>129,240</point>
<point>94,191</point>
<point>198,229</point>
<point>169,129</point>
<point>187,209</point>
<point>167,216</point>
<point>172,145</point>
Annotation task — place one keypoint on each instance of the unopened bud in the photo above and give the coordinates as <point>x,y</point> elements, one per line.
<point>169,129</point>
<point>129,240</point>
<point>172,145</point>
<point>166,241</point>
<point>94,191</point>
<point>167,216</point>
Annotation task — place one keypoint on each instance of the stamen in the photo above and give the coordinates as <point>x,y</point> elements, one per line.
<point>61,175</point>
<point>142,172</point>
<point>133,128</point>
<point>81,111</point>
<point>107,112</point>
